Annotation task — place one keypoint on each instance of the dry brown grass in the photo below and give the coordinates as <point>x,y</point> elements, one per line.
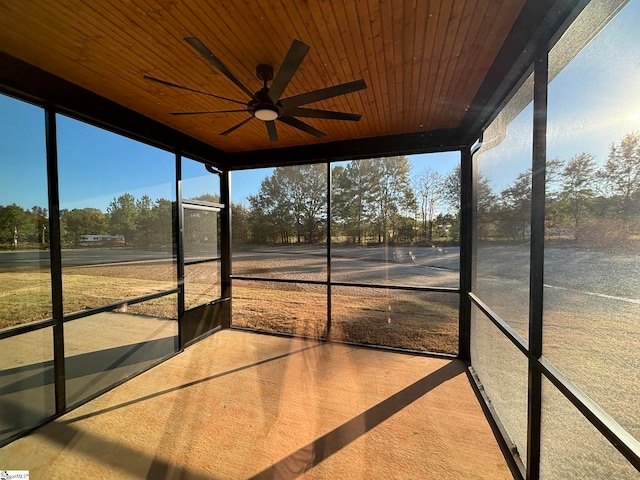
<point>410,320</point>
<point>26,295</point>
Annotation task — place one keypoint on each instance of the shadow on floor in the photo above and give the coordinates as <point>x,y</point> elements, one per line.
<point>319,450</point>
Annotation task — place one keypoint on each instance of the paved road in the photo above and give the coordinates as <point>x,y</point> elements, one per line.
<point>76,257</point>
<point>600,273</point>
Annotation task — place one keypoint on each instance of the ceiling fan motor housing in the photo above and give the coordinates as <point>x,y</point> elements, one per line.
<point>262,107</point>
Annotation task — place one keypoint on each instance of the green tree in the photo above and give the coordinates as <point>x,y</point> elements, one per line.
<point>15,225</point>
<point>164,212</point>
<point>241,227</point>
<point>306,188</point>
<point>392,194</point>
<point>291,202</point>
<point>82,221</point>
<point>578,177</point>
<point>145,221</point>
<point>353,198</point>
<point>272,219</point>
<point>621,174</point>
<point>122,214</point>
<point>451,185</point>
<point>514,217</point>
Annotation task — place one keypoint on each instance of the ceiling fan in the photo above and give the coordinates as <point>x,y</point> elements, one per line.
<point>267,103</point>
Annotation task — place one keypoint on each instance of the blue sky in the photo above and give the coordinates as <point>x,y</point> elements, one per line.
<point>247,182</point>
<point>592,103</point>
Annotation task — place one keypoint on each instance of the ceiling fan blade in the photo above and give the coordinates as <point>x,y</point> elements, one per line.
<point>215,61</point>
<point>228,131</point>
<point>215,111</point>
<point>271,130</point>
<point>323,94</point>
<point>313,113</point>
<point>300,125</point>
<point>290,64</point>
<point>175,85</point>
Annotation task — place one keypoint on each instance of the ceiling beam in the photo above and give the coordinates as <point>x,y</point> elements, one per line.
<point>30,83</point>
<point>404,144</point>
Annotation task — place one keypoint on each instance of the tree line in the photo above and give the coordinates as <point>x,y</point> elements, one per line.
<point>377,201</point>
<point>141,221</point>
<point>374,201</point>
<point>585,204</point>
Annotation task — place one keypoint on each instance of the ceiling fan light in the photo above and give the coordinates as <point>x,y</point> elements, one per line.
<point>266,114</point>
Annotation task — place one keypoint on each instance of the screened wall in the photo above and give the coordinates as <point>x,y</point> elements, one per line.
<point>554,325</point>
<point>362,251</point>
<point>92,260</point>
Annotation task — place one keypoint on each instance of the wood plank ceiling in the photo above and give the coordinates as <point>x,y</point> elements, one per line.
<point>423,61</point>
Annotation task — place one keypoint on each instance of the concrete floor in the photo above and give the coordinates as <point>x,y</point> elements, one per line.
<point>244,405</point>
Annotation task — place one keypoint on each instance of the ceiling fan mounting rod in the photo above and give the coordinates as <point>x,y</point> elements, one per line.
<point>265,73</point>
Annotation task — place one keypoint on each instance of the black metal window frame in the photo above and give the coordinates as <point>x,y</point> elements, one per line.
<point>329,283</point>
<point>59,318</point>
<point>539,367</point>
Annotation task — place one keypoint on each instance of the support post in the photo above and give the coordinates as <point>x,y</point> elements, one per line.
<point>55,252</point>
<point>537,264</point>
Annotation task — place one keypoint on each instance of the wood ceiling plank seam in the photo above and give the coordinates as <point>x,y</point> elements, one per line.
<point>114,32</point>
<point>147,59</point>
<point>194,22</point>
<point>281,21</point>
<point>357,35</point>
<point>147,55</point>
<point>358,13</point>
<point>267,49</point>
<point>216,37</point>
<point>434,64</point>
<point>176,46</point>
<point>337,58</point>
<point>444,54</point>
<point>474,49</point>
<point>345,103</point>
<point>256,10</point>
<point>402,67</point>
<point>413,13</point>
<point>319,47</point>
<point>327,56</point>
<point>458,58</point>
<point>113,26</point>
<point>500,27</point>
<point>308,69</point>
<point>300,78</point>
<point>61,61</point>
<point>223,32</point>
<point>428,41</point>
<point>350,67</point>
<point>356,104</point>
<point>502,17</point>
<point>392,35</point>
<point>333,38</point>
<point>214,124</point>
<point>380,63</point>
<point>386,33</point>
<point>405,60</point>
<point>451,38</point>
<point>63,46</point>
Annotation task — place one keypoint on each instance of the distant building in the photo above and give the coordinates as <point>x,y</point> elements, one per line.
<point>101,240</point>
